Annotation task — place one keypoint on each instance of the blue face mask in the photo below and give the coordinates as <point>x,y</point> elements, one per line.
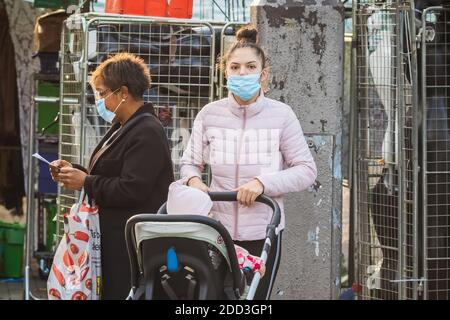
<point>103,112</point>
<point>245,87</point>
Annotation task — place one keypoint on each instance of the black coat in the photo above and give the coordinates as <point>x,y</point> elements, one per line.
<point>131,176</point>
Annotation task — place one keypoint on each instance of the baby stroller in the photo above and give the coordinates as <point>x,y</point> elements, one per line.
<point>170,256</point>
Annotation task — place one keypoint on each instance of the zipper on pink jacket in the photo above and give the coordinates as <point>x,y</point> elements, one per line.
<point>236,179</point>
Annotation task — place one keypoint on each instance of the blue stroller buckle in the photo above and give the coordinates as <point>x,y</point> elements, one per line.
<point>172,260</point>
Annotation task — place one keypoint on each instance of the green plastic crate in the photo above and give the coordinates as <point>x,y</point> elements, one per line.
<point>12,237</point>
<point>2,246</point>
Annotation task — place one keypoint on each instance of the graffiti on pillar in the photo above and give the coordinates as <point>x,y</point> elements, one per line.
<point>313,237</point>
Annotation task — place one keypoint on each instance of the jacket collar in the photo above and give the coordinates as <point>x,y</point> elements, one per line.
<point>146,108</point>
<point>251,109</point>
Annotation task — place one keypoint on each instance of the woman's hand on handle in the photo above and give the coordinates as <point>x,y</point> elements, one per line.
<point>196,182</point>
<point>248,192</point>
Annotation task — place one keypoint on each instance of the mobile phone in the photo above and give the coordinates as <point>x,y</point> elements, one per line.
<point>38,156</point>
<point>57,169</point>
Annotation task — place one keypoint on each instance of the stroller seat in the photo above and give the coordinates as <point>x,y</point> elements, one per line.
<point>173,258</point>
<point>189,257</point>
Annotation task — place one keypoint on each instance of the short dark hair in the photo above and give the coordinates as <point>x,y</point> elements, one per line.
<point>124,69</point>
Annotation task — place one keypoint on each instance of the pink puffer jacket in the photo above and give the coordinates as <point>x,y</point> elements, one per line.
<point>263,140</point>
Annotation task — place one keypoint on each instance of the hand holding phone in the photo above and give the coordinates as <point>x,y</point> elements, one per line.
<point>55,166</point>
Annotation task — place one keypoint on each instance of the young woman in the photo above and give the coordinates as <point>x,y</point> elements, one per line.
<point>254,145</point>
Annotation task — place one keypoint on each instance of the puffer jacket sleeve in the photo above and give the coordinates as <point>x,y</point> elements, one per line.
<point>192,163</point>
<point>301,171</point>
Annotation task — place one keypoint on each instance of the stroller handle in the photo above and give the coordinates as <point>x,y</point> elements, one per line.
<point>232,196</point>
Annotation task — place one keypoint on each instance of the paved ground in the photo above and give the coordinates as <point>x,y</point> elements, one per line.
<point>13,289</point>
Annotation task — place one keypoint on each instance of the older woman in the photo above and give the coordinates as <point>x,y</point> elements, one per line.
<point>129,171</point>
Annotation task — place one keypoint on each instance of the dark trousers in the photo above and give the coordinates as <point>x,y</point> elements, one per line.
<point>273,262</point>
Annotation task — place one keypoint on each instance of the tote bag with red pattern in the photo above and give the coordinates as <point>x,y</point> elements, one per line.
<point>76,270</point>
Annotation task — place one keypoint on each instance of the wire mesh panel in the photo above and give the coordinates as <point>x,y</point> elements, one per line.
<point>408,92</point>
<point>222,10</point>
<point>385,167</point>
<point>180,55</point>
<point>436,150</point>
<point>71,97</point>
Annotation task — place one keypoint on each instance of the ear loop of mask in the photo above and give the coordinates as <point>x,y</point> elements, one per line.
<point>123,99</point>
<point>119,105</point>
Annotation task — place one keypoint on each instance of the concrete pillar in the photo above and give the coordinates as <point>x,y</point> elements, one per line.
<point>304,41</point>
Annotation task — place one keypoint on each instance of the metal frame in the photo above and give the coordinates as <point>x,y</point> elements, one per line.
<point>385,179</point>
<point>30,205</point>
<point>32,218</point>
<point>437,285</point>
<point>82,26</point>
<point>421,120</point>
